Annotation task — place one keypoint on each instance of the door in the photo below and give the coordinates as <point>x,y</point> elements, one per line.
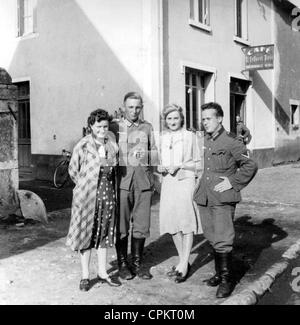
<point>237,107</point>
<point>24,132</point>
<point>238,92</point>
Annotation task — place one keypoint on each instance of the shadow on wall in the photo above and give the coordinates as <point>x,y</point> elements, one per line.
<point>73,71</point>
<point>267,97</point>
<point>289,67</point>
<point>71,66</point>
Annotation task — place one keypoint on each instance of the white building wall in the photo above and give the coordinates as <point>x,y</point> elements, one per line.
<point>218,51</point>
<point>87,54</point>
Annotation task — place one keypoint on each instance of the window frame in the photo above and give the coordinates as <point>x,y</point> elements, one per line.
<point>194,20</point>
<point>294,126</point>
<point>26,11</point>
<point>241,33</point>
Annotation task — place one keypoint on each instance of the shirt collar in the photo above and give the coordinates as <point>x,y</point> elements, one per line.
<point>130,123</point>
<point>216,134</point>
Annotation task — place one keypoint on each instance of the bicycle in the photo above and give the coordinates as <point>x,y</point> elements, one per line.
<point>61,173</point>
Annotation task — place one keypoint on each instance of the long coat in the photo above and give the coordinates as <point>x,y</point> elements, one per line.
<point>84,170</point>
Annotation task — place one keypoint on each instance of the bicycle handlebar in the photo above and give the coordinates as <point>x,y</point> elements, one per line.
<point>66,153</point>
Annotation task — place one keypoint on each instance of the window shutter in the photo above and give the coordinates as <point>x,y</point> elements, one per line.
<point>18,18</point>
<point>34,16</point>
<point>192,13</point>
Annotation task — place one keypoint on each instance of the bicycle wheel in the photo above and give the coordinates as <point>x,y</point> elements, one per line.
<point>61,174</point>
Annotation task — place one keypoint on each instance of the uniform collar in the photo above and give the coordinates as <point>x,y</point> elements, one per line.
<point>130,123</point>
<point>216,134</point>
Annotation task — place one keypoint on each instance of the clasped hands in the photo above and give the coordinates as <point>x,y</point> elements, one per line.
<point>168,170</point>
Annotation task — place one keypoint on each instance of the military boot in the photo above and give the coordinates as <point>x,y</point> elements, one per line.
<point>137,248</point>
<point>121,248</point>
<point>227,283</point>
<point>216,279</point>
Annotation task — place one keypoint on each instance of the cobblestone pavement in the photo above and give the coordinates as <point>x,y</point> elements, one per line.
<point>37,268</point>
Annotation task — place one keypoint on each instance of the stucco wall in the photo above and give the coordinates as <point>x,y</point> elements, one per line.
<point>218,50</point>
<point>288,43</point>
<point>87,54</point>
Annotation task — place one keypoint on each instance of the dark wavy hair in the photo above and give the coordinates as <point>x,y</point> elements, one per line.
<point>97,116</point>
<point>212,105</point>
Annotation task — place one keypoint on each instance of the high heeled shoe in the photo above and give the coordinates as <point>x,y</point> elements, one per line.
<point>84,285</point>
<point>110,281</point>
<point>180,277</point>
<point>172,272</point>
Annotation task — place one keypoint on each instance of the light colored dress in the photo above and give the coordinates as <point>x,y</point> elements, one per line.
<point>178,212</point>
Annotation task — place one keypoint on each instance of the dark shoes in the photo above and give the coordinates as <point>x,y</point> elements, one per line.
<point>179,276</point>
<point>225,288</point>
<point>213,281</point>
<point>110,281</point>
<point>227,282</point>
<point>172,272</point>
<point>125,272</point>
<point>136,269</point>
<point>142,273</point>
<point>84,285</point>
<point>137,247</point>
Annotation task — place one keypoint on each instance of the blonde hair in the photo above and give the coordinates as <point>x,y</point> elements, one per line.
<point>172,108</point>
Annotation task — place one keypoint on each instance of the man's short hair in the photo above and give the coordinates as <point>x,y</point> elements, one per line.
<point>212,105</point>
<point>133,95</point>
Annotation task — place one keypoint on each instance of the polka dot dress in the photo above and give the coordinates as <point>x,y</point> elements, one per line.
<point>104,222</point>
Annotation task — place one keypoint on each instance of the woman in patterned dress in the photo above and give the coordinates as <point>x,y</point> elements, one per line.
<point>92,168</point>
<point>181,162</point>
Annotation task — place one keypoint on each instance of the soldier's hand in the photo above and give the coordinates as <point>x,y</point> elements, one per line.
<point>223,186</point>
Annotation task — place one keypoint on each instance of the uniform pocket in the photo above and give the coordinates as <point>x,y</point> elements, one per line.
<point>219,159</point>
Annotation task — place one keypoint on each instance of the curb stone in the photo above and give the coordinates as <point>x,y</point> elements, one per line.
<point>254,291</point>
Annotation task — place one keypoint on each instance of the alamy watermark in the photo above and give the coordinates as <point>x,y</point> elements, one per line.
<point>295,284</point>
<point>296,20</point>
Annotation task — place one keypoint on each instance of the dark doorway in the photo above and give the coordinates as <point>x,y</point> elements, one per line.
<point>24,132</point>
<point>238,93</point>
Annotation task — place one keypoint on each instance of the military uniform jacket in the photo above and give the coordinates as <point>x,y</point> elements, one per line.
<point>132,139</point>
<point>224,155</point>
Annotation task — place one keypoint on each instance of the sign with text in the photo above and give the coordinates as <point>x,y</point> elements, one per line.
<point>259,57</point>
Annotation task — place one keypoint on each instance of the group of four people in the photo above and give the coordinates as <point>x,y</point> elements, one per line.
<point>202,176</point>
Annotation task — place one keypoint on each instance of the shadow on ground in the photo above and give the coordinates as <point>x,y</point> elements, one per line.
<point>53,198</point>
<point>16,240</point>
<point>251,239</point>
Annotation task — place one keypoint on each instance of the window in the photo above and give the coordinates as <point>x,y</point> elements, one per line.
<point>194,97</point>
<point>26,17</point>
<point>241,19</point>
<point>24,133</point>
<point>199,14</point>
<point>295,117</point>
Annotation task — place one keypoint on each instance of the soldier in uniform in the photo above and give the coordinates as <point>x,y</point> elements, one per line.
<point>137,152</point>
<point>242,132</point>
<point>227,169</point>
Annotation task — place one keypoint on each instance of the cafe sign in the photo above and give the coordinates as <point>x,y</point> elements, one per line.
<point>259,57</point>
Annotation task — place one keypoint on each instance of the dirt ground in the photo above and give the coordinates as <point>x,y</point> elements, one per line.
<point>37,268</point>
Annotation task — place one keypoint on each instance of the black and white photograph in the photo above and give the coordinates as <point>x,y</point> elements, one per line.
<point>150,155</point>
